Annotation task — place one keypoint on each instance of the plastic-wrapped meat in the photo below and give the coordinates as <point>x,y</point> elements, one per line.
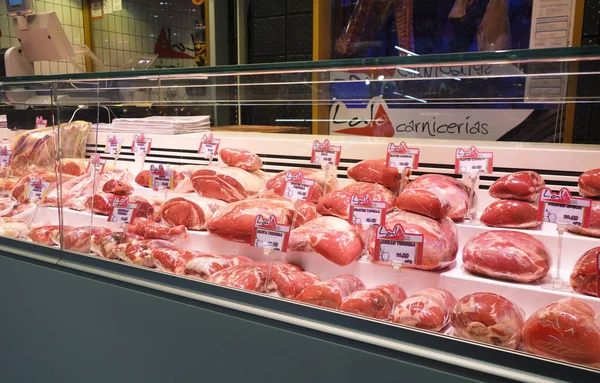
<point>524,186</point>
<point>12,228</point>
<point>235,221</point>
<point>104,244</point>
<point>584,278</point>
<point>6,206</point>
<point>191,212</point>
<point>143,178</point>
<point>367,18</point>
<point>20,209</point>
<point>42,235</point>
<point>424,202</point>
<point>459,9</point>
<point>7,185</point>
<point>245,277</point>
<point>78,239</point>
<point>117,187</point>
<point>100,203</point>
<point>278,182</point>
<point>593,230</point>
<point>451,189</point>
<point>403,16</point>
<point>392,289</point>
<point>507,254</point>
<point>241,158</point>
<point>376,171</point>
<point>338,202</point>
<point>287,280</point>
<point>227,184</point>
<point>152,230</point>
<point>138,251</point>
<point>428,309</point>
<point>18,191</point>
<point>171,260</point>
<point>204,265</point>
<point>237,260</point>
<point>331,293</point>
<point>74,166</point>
<point>373,303</point>
<point>488,318</point>
<point>440,238</point>
<point>494,30</point>
<point>565,330</point>
<point>589,183</point>
<point>511,214</point>
<point>331,237</point>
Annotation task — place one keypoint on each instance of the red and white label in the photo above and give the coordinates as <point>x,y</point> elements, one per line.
<point>209,146</point>
<point>36,190</point>
<point>5,154</point>
<point>472,161</point>
<point>401,157</point>
<point>160,178</point>
<point>141,144</point>
<point>325,153</point>
<point>365,211</point>
<point>396,247</point>
<point>40,122</point>
<point>296,187</point>
<point>563,208</point>
<point>121,211</point>
<point>96,163</point>
<point>113,145</point>
<point>270,235</point>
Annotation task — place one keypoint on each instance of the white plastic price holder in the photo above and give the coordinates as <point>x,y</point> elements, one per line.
<point>270,235</point>
<point>472,161</point>
<point>401,156</point>
<point>325,153</point>
<point>396,247</point>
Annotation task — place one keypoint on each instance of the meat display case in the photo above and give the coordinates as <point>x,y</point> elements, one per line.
<point>65,310</point>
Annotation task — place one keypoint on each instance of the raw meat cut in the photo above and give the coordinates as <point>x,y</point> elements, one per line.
<point>245,277</point>
<point>143,178</point>
<point>171,260</point>
<point>488,318</point>
<point>507,254</point>
<point>78,239</point>
<point>6,185</point>
<point>511,214</point>
<point>451,189</point>
<point>338,202</point>
<point>138,251</point>
<point>204,265</point>
<point>191,212</point>
<point>104,244</point>
<point>12,228</point>
<point>322,185</point>
<point>287,280</point>
<point>117,187</point>
<point>41,235</point>
<point>428,309</point>
<point>403,17</point>
<point>241,158</point>
<point>152,230</point>
<point>459,9</point>
<point>440,238</point>
<point>227,184</point>
<point>494,30</point>
<point>20,209</point>
<point>523,186</point>
<point>331,293</point>
<point>18,191</point>
<point>237,260</point>
<point>74,166</point>
<point>424,202</point>
<point>589,183</point>
<point>235,221</point>
<point>373,303</point>
<point>331,237</point>
<point>376,171</point>
<point>566,330</point>
<point>584,278</point>
<point>392,289</point>
<point>593,230</point>
<point>101,204</point>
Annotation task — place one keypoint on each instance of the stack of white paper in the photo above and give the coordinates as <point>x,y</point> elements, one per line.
<point>158,125</point>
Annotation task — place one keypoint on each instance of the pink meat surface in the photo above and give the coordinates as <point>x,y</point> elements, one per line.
<point>524,186</point>
<point>452,190</point>
<point>241,158</point>
<point>138,252</point>
<point>593,230</point>
<point>331,293</point>
<point>375,171</point>
<point>227,184</point>
<point>374,303</point>
<point>78,239</point>
<point>152,230</point>
<point>191,212</point>
<point>428,309</point>
<point>104,245</point>
<point>424,202</point>
<point>589,183</point>
<point>242,277</point>
<point>511,214</point>
<point>584,278</point>
<point>205,265</point>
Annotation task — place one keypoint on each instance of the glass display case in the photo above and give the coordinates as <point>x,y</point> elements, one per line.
<point>440,212</point>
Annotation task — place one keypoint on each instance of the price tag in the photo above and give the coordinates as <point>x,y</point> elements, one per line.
<point>365,211</point>
<point>209,146</point>
<point>325,153</point>
<point>96,164</point>
<point>160,178</point>
<point>121,210</point>
<point>472,161</point>
<point>296,187</point>
<point>36,190</point>
<point>401,156</point>
<point>562,208</point>
<point>5,155</point>
<point>40,122</point>
<point>141,144</point>
<point>396,247</point>
<point>268,234</point>
<point>113,145</point>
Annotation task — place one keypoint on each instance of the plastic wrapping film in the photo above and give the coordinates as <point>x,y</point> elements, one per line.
<point>241,158</point>
<point>524,186</point>
<point>151,230</point>
<point>584,278</point>
<point>191,211</point>
<point>511,214</point>
<point>104,245</point>
<point>488,318</point>
<point>589,183</point>
<point>78,239</point>
<point>323,182</point>
<point>179,180</point>
<point>338,202</point>
<point>13,228</point>
<point>137,251</point>
<point>428,309</point>
<point>508,255</point>
<point>376,303</point>
<point>424,202</point>
<point>228,184</point>
<point>331,293</point>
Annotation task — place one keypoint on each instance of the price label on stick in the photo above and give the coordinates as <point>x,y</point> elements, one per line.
<point>365,211</point>
<point>563,208</point>
<point>325,153</point>
<point>472,161</point>
<point>36,190</point>
<point>401,157</point>
<point>160,178</point>
<point>296,187</point>
<point>141,144</point>
<point>5,156</point>
<point>113,145</point>
<point>121,211</point>
<point>268,234</point>
<point>396,247</point>
<point>209,146</point>
<point>96,164</point>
